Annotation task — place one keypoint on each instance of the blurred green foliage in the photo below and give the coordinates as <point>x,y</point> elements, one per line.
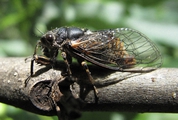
<point>23,22</point>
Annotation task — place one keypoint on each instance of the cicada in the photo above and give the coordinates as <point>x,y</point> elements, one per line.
<point>120,49</point>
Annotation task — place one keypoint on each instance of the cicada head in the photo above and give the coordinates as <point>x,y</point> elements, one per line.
<point>48,39</point>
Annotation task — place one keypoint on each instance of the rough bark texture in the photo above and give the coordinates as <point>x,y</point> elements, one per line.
<point>132,92</point>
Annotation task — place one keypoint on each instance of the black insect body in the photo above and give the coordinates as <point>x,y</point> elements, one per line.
<point>120,49</point>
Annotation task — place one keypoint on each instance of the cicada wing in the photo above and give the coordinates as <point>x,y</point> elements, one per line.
<point>119,49</point>
<point>143,50</point>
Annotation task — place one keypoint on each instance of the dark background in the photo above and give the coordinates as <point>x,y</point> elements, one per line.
<point>23,22</point>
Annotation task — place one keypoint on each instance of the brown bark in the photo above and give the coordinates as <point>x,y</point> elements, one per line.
<point>132,92</point>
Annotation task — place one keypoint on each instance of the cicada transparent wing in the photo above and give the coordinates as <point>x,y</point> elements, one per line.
<point>120,49</point>
<point>139,47</point>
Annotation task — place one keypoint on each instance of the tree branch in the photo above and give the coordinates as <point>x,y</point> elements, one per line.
<point>132,92</point>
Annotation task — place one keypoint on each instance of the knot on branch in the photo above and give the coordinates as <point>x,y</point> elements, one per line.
<point>56,95</point>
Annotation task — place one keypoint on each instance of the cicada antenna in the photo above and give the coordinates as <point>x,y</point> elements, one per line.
<point>39,31</point>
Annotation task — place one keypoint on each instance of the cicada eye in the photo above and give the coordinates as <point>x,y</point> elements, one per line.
<point>49,37</point>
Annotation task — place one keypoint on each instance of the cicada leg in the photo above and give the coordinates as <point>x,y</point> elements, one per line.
<point>42,60</point>
<point>64,56</point>
<point>32,64</point>
<point>84,64</point>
